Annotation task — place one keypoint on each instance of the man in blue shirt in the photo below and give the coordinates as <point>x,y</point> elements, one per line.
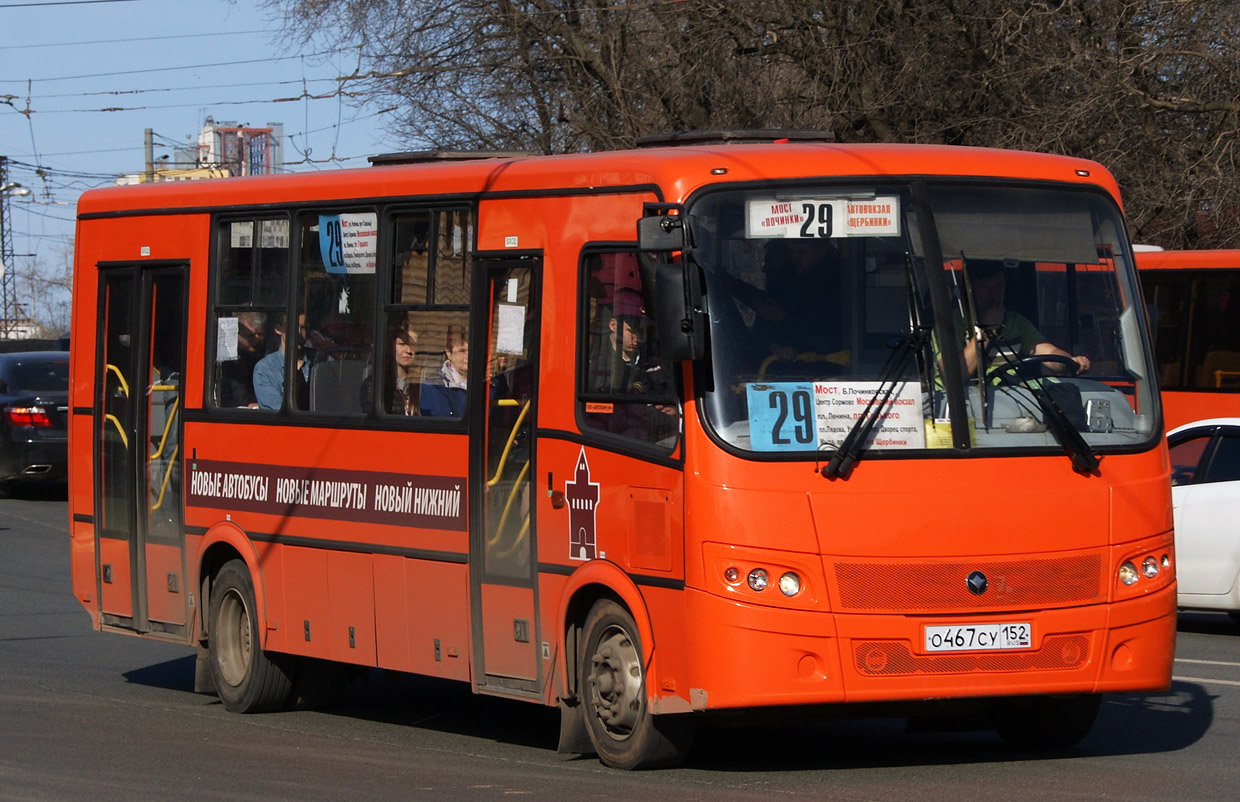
<point>269,373</point>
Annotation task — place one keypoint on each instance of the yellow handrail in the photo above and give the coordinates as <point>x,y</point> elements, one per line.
<point>119,430</point>
<point>512,435</point>
<point>512,495</point>
<point>121,378</point>
<point>172,414</point>
<point>842,358</point>
<point>1219,375</point>
<point>163,486</point>
<point>517,541</point>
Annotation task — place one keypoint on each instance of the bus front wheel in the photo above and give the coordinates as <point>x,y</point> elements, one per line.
<point>1047,722</point>
<point>621,727</point>
<point>247,679</point>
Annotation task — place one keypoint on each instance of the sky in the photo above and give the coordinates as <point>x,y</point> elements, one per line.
<point>80,81</point>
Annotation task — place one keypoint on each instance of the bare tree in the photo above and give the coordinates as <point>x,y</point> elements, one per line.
<point>43,293</point>
<point>1147,87</point>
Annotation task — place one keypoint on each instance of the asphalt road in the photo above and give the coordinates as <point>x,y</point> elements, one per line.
<point>93,716</point>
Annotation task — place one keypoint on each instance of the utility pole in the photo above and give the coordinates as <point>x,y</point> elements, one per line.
<point>148,142</point>
<point>8,283</point>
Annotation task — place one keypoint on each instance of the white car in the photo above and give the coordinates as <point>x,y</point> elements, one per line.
<point>1205,491</point>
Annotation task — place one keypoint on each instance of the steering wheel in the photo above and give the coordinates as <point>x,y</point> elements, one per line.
<point>1031,367</point>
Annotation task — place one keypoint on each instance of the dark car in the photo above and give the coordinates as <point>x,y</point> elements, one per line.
<point>34,412</point>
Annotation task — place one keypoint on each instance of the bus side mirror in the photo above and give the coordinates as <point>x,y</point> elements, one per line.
<point>678,312</point>
<point>659,230</point>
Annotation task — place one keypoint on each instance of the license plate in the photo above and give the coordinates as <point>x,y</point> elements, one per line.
<point>978,637</point>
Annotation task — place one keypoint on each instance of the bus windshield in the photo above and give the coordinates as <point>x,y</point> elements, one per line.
<point>830,304</point>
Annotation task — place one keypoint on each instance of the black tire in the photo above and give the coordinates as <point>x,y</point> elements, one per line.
<point>613,688</point>
<point>1047,722</point>
<point>247,679</point>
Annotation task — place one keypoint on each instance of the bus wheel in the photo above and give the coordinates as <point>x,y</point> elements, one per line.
<point>1047,722</point>
<point>247,679</point>
<point>624,732</point>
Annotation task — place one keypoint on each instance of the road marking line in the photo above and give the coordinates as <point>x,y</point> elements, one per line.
<point>1207,681</point>
<point>1206,662</point>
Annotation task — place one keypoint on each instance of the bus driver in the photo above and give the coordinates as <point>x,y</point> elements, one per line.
<point>999,327</point>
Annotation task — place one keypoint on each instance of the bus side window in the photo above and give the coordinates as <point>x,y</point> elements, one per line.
<point>424,357</point>
<point>251,287</point>
<point>624,388</point>
<point>337,256</point>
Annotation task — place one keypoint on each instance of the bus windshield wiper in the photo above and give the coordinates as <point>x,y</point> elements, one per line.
<point>850,449</point>
<point>1081,453</point>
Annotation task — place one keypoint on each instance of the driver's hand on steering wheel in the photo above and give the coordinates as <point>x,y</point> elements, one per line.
<point>1083,362</point>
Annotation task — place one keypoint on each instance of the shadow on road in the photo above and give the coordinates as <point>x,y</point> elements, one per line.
<point>49,491</point>
<point>1127,725</point>
<point>1208,623</point>
<point>172,675</point>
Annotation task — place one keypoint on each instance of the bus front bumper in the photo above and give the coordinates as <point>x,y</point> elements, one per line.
<point>752,656</point>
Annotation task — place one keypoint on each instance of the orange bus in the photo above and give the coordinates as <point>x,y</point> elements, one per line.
<point>646,435</point>
<point>1194,301</point>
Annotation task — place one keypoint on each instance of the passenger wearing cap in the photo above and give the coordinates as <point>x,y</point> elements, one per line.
<point>619,367</point>
<point>618,364</point>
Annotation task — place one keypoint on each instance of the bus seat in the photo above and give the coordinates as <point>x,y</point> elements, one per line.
<point>335,386</point>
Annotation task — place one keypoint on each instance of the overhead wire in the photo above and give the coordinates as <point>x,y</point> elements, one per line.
<point>56,181</point>
<point>143,39</point>
<point>41,3</point>
<point>145,70</point>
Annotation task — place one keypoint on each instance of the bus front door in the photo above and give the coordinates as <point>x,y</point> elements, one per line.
<point>502,562</point>
<point>140,541</point>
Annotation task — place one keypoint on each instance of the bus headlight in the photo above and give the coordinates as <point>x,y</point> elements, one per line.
<point>732,576</point>
<point>1149,568</point>
<point>790,584</point>
<point>758,579</point>
<point>1128,573</point>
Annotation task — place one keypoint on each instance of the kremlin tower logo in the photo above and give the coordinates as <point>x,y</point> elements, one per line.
<point>582,497</point>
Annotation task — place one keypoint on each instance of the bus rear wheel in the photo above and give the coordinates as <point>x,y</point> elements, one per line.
<point>625,734</point>
<point>247,679</point>
<point>1047,722</point>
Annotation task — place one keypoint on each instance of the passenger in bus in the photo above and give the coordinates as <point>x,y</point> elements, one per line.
<point>237,375</point>
<point>443,394</point>
<point>1000,328</point>
<point>619,367</point>
<point>400,384</point>
<point>269,372</point>
<point>616,363</point>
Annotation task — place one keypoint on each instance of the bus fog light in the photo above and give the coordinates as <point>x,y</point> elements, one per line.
<point>1166,561</point>
<point>757,579</point>
<point>790,584</point>
<point>732,576</point>
<point>1149,568</point>
<point>1128,573</point>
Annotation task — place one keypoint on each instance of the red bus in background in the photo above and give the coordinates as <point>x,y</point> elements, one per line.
<point>643,435</point>
<point>1194,301</point>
